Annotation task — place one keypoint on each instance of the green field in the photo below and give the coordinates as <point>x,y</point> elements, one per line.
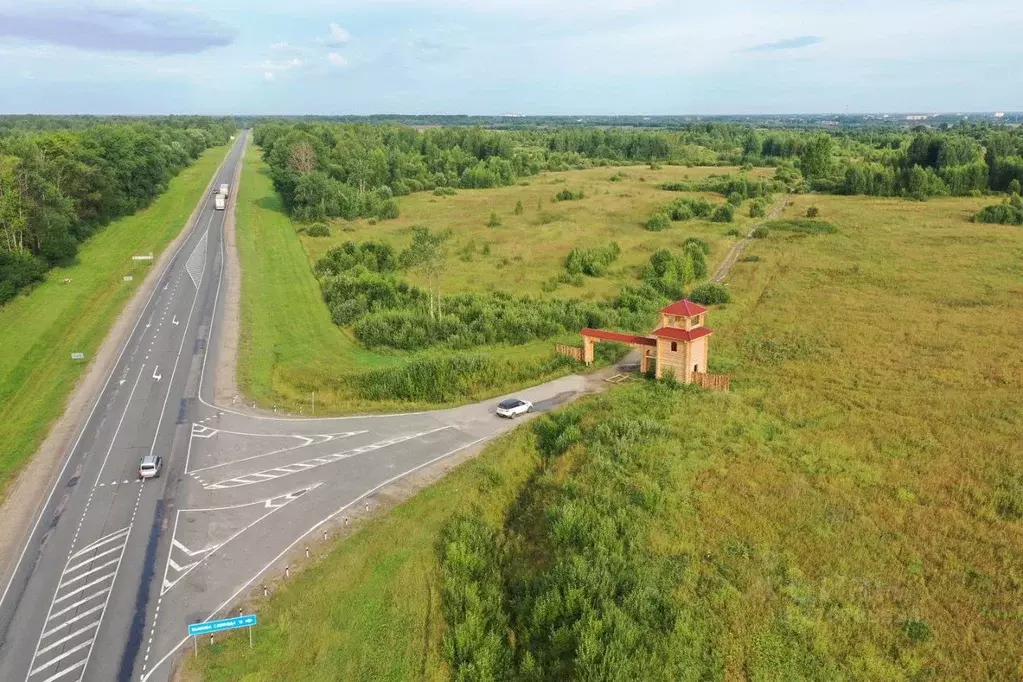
<point>853,509</point>
<point>290,347</point>
<point>40,330</point>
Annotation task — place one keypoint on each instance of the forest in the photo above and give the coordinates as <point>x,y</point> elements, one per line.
<point>354,170</point>
<point>64,178</point>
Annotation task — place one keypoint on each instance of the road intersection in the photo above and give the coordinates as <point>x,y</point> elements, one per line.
<point>116,569</point>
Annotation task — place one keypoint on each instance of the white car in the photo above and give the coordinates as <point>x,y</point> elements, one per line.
<point>513,407</point>
<point>150,466</point>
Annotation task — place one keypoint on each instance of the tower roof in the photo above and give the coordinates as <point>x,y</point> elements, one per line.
<point>684,308</point>
<point>682,334</point>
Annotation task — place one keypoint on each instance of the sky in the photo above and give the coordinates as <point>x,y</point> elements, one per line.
<point>490,57</point>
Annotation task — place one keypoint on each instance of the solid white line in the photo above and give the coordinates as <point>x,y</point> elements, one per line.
<point>177,360</point>
<point>76,605</point>
<point>333,437</point>
<point>89,572</point>
<point>83,588</point>
<point>97,543</point>
<point>65,671</point>
<point>113,439</point>
<point>299,539</point>
<point>99,396</point>
<point>167,585</point>
<point>74,634</point>
<point>64,655</point>
<point>83,614</point>
<point>90,560</point>
<point>280,472</point>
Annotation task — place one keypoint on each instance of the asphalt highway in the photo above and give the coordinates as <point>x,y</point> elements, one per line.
<point>116,569</point>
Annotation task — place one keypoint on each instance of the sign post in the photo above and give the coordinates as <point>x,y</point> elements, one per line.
<point>209,627</point>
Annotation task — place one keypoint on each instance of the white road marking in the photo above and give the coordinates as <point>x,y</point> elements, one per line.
<point>113,438</point>
<point>229,600</point>
<point>278,472</point>
<point>314,439</point>
<point>196,263</point>
<point>273,504</point>
<point>100,583</point>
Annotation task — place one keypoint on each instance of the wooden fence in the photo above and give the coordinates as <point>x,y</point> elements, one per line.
<point>573,352</point>
<point>715,382</point>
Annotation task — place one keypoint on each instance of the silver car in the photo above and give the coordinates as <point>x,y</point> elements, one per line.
<point>150,466</point>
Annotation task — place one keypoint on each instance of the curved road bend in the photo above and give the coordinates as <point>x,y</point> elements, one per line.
<point>117,569</point>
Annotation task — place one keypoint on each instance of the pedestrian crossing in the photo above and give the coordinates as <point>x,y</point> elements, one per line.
<point>73,620</point>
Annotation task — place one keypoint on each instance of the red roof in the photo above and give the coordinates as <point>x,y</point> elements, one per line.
<point>623,338</point>
<point>685,308</point>
<point>682,334</point>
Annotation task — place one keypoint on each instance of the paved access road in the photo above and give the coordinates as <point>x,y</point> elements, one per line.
<point>116,569</point>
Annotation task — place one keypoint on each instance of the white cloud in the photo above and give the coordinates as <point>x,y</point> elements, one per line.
<point>279,46</point>
<point>268,75</point>
<point>295,63</point>
<point>339,34</point>
<point>336,59</point>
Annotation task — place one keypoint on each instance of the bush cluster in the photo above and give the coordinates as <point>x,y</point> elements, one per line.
<point>803,225</point>
<point>710,293</point>
<point>724,213</point>
<point>593,261</point>
<point>1009,213</point>
<point>569,195</point>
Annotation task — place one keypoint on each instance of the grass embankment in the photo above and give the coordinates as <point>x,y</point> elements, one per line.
<point>40,330</point>
<point>853,509</point>
<point>291,348</point>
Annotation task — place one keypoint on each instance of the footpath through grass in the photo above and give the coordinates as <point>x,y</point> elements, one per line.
<point>853,509</point>
<point>40,330</point>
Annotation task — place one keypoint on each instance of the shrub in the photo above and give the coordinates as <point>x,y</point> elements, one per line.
<point>318,230</point>
<point>18,270</point>
<point>445,192</point>
<point>710,293</point>
<point>750,259</point>
<point>388,210</point>
<point>1014,187</point>
<point>495,220</point>
<point>518,207</point>
<point>1006,214</point>
<point>812,212</point>
<point>735,199</point>
<point>734,232</point>
<point>724,213</point>
<point>568,195</point>
<point>802,225</point>
<point>760,232</point>
<point>593,261</point>
<point>757,209</point>
<point>701,243</point>
<point>658,222</point>
<point>685,208</point>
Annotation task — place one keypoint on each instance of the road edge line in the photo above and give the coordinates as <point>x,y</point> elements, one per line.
<point>80,405</point>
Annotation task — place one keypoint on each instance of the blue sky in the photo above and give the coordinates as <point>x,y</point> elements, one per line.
<point>509,56</point>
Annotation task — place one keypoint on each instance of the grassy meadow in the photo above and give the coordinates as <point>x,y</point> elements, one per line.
<point>290,347</point>
<point>39,330</point>
<point>852,509</point>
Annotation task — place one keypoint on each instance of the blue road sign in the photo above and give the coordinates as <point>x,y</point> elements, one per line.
<point>220,625</point>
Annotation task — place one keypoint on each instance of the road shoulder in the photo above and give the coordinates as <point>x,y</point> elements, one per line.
<point>28,494</point>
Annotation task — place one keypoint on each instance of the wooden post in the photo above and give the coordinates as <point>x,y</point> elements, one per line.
<point>587,350</point>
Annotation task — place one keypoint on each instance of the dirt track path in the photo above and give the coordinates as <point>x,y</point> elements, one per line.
<point>737,249</point>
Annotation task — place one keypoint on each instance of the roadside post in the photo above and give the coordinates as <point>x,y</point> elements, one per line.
<point>209,627</point>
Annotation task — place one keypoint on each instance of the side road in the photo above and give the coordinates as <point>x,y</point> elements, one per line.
<point>33,486</point>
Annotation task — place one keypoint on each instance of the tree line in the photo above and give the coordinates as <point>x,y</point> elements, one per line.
<point>60,184</point>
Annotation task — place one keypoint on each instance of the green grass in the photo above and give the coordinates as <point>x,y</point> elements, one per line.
<point>289,345</point>
<point>39,330</point>
<point>853,509</point>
